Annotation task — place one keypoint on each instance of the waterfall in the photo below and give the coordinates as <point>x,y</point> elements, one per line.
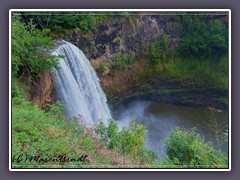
<point>77,85</point>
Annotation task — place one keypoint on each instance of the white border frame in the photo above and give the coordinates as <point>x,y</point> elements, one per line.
<point>114,10</point>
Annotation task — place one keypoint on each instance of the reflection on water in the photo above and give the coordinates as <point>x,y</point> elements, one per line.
<point>159,119</point>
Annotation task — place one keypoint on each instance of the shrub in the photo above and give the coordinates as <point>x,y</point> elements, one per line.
<point>130,141</point>
<point>187,148</point>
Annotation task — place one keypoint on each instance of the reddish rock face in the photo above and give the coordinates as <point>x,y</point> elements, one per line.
<point>42,92</point>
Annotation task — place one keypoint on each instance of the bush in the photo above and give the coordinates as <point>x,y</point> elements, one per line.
<point>130,141</point>
<point>187,148</point>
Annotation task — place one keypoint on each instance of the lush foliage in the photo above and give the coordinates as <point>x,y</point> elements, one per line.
<point>187,148</point>
<point>30,49</point>
<point>205,40</point>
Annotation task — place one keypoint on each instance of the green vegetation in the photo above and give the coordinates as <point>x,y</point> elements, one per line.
<point>59,22</point>
<point>101,68</point>
<point>128,142</point>
<point>164,46</point>
<point>158,51</point>
<point>205,40</point>
<point>155,53</point>
<point>48,134</point>
<point>205,72</point>
<point>187,149</point>
<point>30,49</point>
<point>201,58</point>
<point>35,132</point>
<point>122,60</point>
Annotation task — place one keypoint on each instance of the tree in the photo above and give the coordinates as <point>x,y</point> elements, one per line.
<point>30,48</point>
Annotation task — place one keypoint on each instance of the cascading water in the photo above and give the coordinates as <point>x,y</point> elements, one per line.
<point>77,85</point>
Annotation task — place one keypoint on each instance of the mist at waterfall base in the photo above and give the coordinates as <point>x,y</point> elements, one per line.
<point>160,119</point>
<point>77,85</point>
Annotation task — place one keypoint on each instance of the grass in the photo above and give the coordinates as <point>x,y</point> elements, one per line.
<point>203,72</point>
<point>194,72</point>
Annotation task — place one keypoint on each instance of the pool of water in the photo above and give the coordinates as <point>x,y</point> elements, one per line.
<point>160,119</point>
